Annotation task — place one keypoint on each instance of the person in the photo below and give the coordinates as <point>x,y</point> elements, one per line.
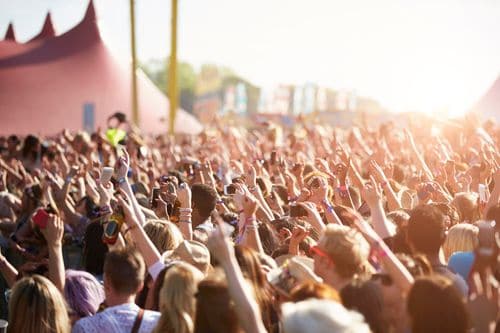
<point>83,294</point>
<point>460,238</point>
<point>426,235</point>
<point>36,306</point>
<point>124,272</point>
<point>204,199</point>
<point>428,316</point>
<point>321,316</point>
<point>365,296</point>
<point>340,255</point>
<point>177,299</point>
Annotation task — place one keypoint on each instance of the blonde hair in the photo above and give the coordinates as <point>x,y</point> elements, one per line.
<point>347,248</point>
<point>164,235</point>
<point>461,238</point>
<point>177,299</point>
<point>36,306</point>
<point>466,204</point>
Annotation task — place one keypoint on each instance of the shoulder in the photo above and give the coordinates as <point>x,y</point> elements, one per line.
<point>149,321</point>
<point>85,325</point>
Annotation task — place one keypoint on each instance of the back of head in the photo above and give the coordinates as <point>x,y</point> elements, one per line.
<point>460,238</point>
<point>426,229</point>
<point>164,235</point>
<point>365,296</point>
<point>83,293</point>
<point>466,204</point>
<point>204,199</point>
<point>435,305</point>
<point>124,271</point>
<point>321,316</point>
<point>36,306</point>
<point>214,309</point>
<point>347,248</point>
<point>177,299</point>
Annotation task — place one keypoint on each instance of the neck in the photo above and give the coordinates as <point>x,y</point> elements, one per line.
<point>435,259</point>
<point>114,300</point>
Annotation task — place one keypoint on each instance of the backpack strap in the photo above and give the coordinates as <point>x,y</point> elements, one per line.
<point>138,321</point>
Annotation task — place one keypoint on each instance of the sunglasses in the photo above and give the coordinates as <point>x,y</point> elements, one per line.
<point>384,278</point>
<point>318,251</point>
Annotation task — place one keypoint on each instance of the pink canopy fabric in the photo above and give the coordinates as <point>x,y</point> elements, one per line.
<point>45,83</point>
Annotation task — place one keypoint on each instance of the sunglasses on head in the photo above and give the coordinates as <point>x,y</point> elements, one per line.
<point>316,250</point>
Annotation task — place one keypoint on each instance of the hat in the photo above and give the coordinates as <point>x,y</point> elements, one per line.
<point>192,252</point>
<point>294,271</point>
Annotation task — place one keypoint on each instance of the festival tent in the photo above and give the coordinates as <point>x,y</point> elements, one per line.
<point>73,81</point>
<point>489,105</point>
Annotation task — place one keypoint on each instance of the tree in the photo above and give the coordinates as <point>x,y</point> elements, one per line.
<point>157,71</point>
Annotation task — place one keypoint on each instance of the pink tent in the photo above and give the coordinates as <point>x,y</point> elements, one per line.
<point>71,81</point>
<point>489,105</point>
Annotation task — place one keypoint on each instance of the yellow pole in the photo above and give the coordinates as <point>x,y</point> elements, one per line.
<point>135,107</point>
<point>172,70</point>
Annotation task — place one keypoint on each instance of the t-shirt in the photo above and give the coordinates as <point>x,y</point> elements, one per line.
<point>457,280</point>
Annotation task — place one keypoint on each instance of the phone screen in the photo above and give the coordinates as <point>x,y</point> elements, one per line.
<point>154,197</point>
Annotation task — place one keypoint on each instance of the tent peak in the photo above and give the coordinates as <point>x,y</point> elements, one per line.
<point>10,35</point>
<point>47,29</point>
<point>90,15</point>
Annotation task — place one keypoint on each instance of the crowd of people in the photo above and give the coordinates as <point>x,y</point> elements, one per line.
<point>310,228</point>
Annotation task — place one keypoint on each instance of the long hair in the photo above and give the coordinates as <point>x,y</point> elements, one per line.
<point>36,306</point>
<point>252,271</point>
<point>177,299</point>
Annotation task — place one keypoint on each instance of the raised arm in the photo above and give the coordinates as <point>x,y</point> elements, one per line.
<point>134,227</point>
<point>53,234</point>
<point>246,306</point>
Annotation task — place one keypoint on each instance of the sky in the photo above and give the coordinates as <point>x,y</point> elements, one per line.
<point>426,55</point>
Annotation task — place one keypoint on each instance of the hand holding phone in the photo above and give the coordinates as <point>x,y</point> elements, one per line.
<point>107,173</point>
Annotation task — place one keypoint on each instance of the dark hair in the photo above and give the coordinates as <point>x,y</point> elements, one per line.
<point>124,269</point>
<point>214,309</point>
<point>94,250</point>
<point>30,142</point>
<point>435,305</point>
<point>426,229</point>
<point>365,296</point>
<point>204,199</point>
<point>494,214</point>
<point>268,237</point>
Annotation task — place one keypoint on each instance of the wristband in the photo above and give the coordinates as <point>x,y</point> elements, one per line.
<point>249,219</point>
<point>122,180</point>
<point>69,179</point>
<point>253,226</point>
<point>185,221</point>
<point>185,210</point>
<point>252,188</point>
<point>327,206</point>
<point>292,199</point>
<point>220,202</point>
<point>383,184</point>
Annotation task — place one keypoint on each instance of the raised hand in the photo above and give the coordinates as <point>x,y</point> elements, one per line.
<point>54,231</point>
<point>184,195</point>
<point>371,193</point>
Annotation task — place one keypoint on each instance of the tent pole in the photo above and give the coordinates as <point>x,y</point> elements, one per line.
<point>135,107</point>
<point>172,70</point>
